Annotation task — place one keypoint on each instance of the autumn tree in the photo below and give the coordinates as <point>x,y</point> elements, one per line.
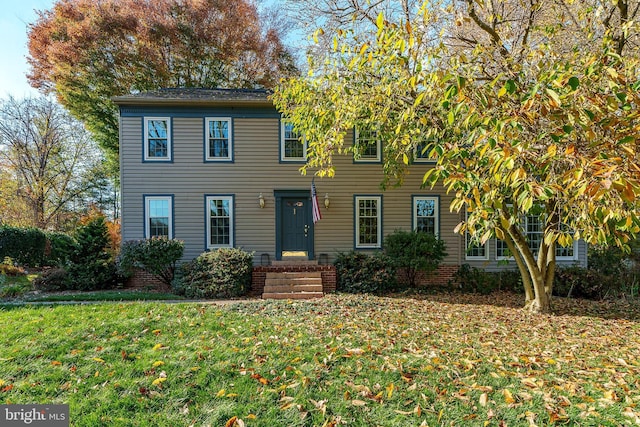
<point>89,51</point>
<point>47,155</point>
<point>529,109</point>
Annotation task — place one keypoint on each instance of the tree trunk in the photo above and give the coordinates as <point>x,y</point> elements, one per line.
<point>530,270</point>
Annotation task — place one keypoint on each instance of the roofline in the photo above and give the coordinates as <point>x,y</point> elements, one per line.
<point>157,101</point>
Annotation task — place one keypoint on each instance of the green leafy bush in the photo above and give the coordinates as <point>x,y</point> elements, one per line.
<point>221,273</point>
<point>413,252</point>
<point>91,265</point>
<point>582,283</point>
<point>475,280</point>
<point>358,272</point>
<point>59,247</point>
<point>26,246</point>
<point>157,256</point>
<point>52,279</point>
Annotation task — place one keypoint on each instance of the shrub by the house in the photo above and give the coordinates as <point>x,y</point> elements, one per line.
<point>359,272</point>
<point>222,273</point>
<point>413,252</point>
<point>157,256</point>
<point>91,265</point>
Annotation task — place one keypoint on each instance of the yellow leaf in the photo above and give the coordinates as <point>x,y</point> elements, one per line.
<point>508,397</point>
<point>157,346</point>
<point>2,382</point>
<point>158,363</point>
<point>221,393</point>
<point>56,363</point>
<point>158,381</point>
<point>97,359</point>
<point>252,416</point>
<point>390,389</point>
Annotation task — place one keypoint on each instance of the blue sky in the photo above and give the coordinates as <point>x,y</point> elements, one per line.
<point>14,18</point>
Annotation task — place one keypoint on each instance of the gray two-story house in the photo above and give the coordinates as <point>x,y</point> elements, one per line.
<point>220,168</point>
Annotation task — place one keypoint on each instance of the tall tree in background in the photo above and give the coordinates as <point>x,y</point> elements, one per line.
<point>88,51</point>
<point>49,157</point>
<point>530,109</point>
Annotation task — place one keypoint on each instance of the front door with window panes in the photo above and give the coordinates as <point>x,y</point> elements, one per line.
<point>296,221</point>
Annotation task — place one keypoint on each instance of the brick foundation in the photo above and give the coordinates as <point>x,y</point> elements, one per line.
<point>443,276</point>
<point>259,275</point>
<point>143,280</point>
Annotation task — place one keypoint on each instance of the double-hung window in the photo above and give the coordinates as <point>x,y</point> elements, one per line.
<point>219,221</point>
<point>368,222</point>
<point>422,153</point>
<point>473,248</point>
<point>293,145</point>
<point>218,139</point>
<point>367,146</point>
<point>426,214</point>
<point>158,216</point>
<point>533,227</point>
<point>157,139</point>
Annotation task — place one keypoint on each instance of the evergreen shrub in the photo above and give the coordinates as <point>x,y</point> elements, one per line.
<point>358,272</point>
<point>222,273</point>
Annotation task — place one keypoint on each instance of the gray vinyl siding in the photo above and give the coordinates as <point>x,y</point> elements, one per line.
<point>256,169</point>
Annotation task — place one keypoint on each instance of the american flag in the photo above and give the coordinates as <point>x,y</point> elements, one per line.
<point>317,216</point>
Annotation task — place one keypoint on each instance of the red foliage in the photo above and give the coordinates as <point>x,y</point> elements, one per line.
<point>141,45</point>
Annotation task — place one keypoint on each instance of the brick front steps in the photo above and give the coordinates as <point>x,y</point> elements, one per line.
<point>293,279</point>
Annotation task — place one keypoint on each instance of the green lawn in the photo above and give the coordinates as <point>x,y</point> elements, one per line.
<point>442,360</point>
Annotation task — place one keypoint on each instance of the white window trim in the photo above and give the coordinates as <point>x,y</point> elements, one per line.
<point>417,159</point>
<point>231,221</point>
<point>147,199</point>
<point>485,257</point>
<point>575,256</point>
<point>361,159</point>
<point>377,245</point>
<point>148,158</point>
<point>207,139</point>
<point>283,158</point>
<point>436,224</point>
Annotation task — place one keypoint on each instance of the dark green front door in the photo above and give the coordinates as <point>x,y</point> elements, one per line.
<point>294,226</point>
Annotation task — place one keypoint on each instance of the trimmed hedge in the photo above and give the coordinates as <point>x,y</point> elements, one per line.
<point>33,247</point>
<point>413,252</point>
<point>26,246</point>
<point>358,272</point>
<point>157,256</point>
<point>222,273</point>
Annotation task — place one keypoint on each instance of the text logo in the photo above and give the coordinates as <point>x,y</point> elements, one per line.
<point>34,415</point>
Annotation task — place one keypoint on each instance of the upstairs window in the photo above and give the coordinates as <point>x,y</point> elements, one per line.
<point>293,146</point>
<point>422,153</point>
<point>367,146</point>
<point>218,140</point>
<point>157,139</point>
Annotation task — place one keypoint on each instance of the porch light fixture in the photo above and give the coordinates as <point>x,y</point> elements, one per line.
<point>261,201</point>
<point>326,200</point>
